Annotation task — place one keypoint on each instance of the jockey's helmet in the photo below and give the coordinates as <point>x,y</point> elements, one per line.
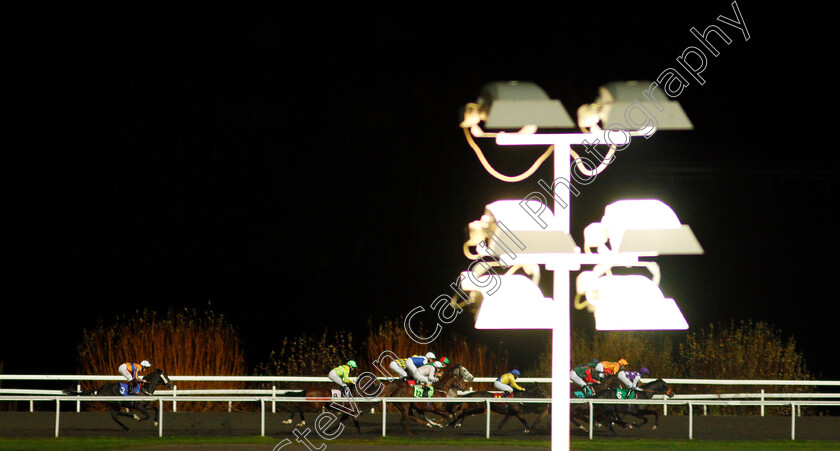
<point>644,370</point>
<point>438,364</point>
<point>515,373</point>
<point>445,360</point>
<point>430,355</point>
<point>351,363</point>
<point>145,364</point>
<point>622,362</point>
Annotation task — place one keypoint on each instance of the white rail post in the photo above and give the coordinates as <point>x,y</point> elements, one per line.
<point>160,416</point>
<point>273,395</point>
<point>792,421</point>
<point>591,421</point>
<point>690,421</point>
<point>78,402</point>
<point>665,406</point>
<point>384,412</point>
<point>31,406</point>
<point>762,399</point>
<point>57,411</point>
<point>487,429</point>
<point>262,417</point>
<point>174,394</point>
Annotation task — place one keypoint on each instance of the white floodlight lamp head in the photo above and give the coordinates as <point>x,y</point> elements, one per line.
<point>640,107</point>
<point>630,302</point>
<point>519,232</point>
<point>517,104</point>
<point>642,226</point>
<point>510,302</point>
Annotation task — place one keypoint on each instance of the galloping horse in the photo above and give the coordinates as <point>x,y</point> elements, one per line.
<point>641,411</point>
<point>512,409</point>
<point>150,383</point>
<point>447,386</point>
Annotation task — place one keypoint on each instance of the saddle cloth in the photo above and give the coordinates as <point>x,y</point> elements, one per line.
<point>585,393</point>
<point>418,392</point>
<point>124,390</point>
<point>625,393</point>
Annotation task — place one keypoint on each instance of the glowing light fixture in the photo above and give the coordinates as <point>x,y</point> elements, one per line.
<point>645,226</point>
<point>516,104</point>
<point>518,231</point>
<point>629,302</point>
<point>640,107</point>
<point>510,302</point>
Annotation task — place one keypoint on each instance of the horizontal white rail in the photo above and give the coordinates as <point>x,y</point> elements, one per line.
<point>262,400</point>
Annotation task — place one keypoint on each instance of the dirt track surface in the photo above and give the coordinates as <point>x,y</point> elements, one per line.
<point>89,424</point>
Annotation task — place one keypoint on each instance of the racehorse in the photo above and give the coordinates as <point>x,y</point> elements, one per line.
<point>150,383</point>
<point>447,386</point>
<point>641,411</point>
<point>325,398</point>
<point>512,409</point>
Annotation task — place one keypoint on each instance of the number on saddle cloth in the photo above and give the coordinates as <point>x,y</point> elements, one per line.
<point>625,393</point>
<point>419,392</point>
<point>125,390</point>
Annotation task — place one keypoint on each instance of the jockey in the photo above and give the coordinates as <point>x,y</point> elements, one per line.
<point>341,376</point>
<point>441,364</point>
<point>426,375</point>
<point>416,361</point>
<point>614,367</point>
<point>507,382</point>
<point>631,379</point>
<point>400,367</point>
<point>586,374</point>
<point>131,372</point>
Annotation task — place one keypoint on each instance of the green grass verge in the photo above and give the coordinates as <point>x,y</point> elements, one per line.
<point>114,443</point>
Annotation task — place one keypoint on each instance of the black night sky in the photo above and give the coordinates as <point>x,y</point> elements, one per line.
<point>302,168</point>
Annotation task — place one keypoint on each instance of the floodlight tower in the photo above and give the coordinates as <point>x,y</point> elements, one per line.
<point>540,237</point>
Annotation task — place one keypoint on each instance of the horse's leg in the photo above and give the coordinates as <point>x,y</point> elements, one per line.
<point>118,411</point>
<point>404,420</point>
<point>157,416</point>
<point>444,414</point>
<point>141,407</point>
<point>609,421</point>
<point>301,409</point>
<point>643,413</point>
<point>542,415</point>
<point>504,420</point>
<point>574,419</point>
<point>465,413</point>
<point>421,414</point>
<point>462,411</point>
<point>523,421</point>
<point>292,411</point>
